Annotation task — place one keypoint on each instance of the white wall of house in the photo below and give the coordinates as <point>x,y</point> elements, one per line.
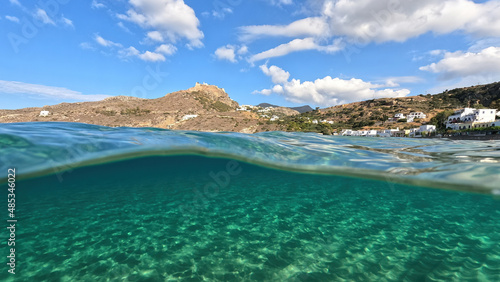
<point>186,117</point>
<point>428,128</point>
<point>414,115</point>
<point>470,116</point>
<point>44,113</point>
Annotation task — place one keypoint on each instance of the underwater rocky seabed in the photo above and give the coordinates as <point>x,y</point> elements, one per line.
<point>196,218</point>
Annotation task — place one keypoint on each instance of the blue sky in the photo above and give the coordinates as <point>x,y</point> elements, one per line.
<point>286,52</point>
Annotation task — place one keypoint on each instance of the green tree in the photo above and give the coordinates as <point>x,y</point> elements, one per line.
<point>440,119</point>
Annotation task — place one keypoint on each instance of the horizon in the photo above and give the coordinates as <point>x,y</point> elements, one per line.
<point>282,52</point>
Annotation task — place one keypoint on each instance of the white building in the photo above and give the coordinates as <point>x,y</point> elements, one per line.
<point>274,118</point>
<point>414,115</point>
<point>399,116</point>
<point>44,113</point>
<point>468,118</point>
<point>427,128</point>
<point>186,117</point>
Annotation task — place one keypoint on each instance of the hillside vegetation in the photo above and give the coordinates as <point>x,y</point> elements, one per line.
<point>374,114</point>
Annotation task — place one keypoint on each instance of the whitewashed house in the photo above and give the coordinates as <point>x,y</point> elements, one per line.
<point>413,115</point>
<point>427,128</point>
<point>346,132</point>
<point>399,116</point>
<point>468,118</point>
<point>274,118</point>
<point>44,113</point>
<point>187,117</point>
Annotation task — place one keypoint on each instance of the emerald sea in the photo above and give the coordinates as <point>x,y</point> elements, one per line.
<point>96,203</point>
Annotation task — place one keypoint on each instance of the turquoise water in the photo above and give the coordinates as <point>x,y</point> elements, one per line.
<point>103,204</point>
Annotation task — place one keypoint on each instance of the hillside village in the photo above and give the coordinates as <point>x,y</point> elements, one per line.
<point>209,108</point>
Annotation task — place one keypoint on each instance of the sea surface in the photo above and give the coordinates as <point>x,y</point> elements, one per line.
<point>95,203</point>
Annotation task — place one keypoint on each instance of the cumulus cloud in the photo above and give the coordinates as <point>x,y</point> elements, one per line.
<point>42,16</point>
<point>485,63</point>
<point>155,36</point>
<point>325,91</point>
<point>16,87</point>
<point>125,53</point>
<point>151,57</point>
<point>231,53</point>
<point>173,19</point>
<point>12,19</point>
<point>222,12</point>
<point>363,22</point>
<point>128,52</point>
<point>226,53</point>
<point>278,75</point>
<point>97,5</point>
<point>106,43</point>
<point>166,49</point>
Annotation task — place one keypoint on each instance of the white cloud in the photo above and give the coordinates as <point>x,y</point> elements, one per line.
<point>15,2</point>
<point>42,16</point>
<point>485,63</point>
<point>231,53</point>
<point>155,36</point>
<point>295,46</point>
<point>67,21</point>
<point>243,50</point>
<point>281,2</point>
<point>314,26</point>
<point>437,52</point>
<point>221,13</point>
<point>365,21</point>
<point>15,87</point>
<point>481,44</point>
<point>125,53</point>
<point>147,56</point>
<point>128,52</point>
<point>87,46</point>
<point>97,5</point>
<point>396,80</point>
<point>172,18</point>
<point>12,19</point>
<point>278,75</point>
<point>122,26</point>
<point>226,53</point>
<point>151,57</point>
<point>106,43</point>
<point>166,49</point>
<point>325,91</point>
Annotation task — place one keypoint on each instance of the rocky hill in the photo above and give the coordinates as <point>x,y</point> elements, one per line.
<point>203,107</point>
<point>375,114</point>
<point>209,108</point>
